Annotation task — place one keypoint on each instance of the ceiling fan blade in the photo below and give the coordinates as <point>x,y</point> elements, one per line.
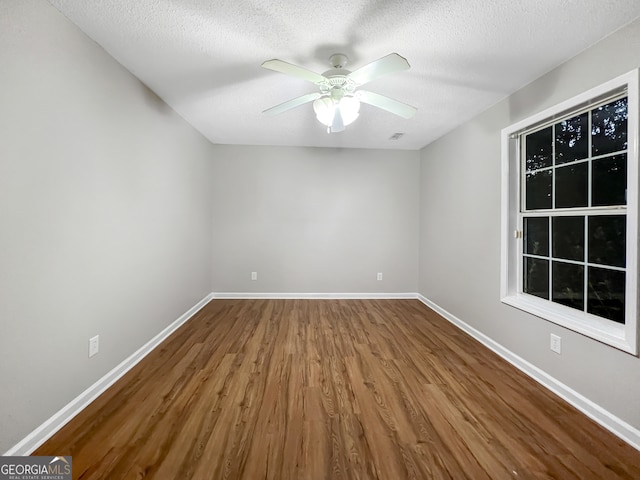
<point>383,66</point>
<point>293,103</point>
<point>386,103</point>
<point>293,70</point>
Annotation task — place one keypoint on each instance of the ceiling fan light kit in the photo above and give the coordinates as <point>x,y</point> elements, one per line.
<point>336,115</point>
<point>338,102</point>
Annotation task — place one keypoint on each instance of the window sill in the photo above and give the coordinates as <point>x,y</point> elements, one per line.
<point>610,333</point>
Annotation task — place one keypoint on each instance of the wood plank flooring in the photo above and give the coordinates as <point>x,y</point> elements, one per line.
<point>332,389</point>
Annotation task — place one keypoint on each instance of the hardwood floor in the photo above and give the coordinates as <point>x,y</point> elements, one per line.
<point>323,389</point>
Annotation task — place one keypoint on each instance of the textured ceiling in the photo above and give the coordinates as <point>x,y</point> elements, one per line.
<point>203,57</point>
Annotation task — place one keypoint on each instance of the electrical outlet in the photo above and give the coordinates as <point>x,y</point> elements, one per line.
<point>556,344</point>
<point>254,275</point>
<point>379,276</point>
<point>94,345</point>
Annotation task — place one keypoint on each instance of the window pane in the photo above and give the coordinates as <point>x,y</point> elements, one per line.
<point>609,181</point>
<point>538,188</point>
<point>539,149</point>
<point>606,293</point>
<point>568,284</point>
<point>607,240</point>
<point>609,128</point>
<point>571,186</point>
<point>536,277</point>
<point>536,236</point>
<point>568,238</point>
<point>572,141</point>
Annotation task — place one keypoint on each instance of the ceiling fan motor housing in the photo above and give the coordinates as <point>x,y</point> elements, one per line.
<point>338,60</point>
<point>337,82</point>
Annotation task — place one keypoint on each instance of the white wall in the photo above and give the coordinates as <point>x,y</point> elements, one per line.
<point>315,220</point>
<point>105,214</point>
<point>116,217</point>
<point>460,233</point>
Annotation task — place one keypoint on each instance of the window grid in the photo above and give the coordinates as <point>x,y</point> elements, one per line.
<point>553,206</point>
<point>613,191</point>
<point>585,279</point>
<point>585,212</point>
<point>575,262</point>
<point>550,227</point>
<point>590,159</point>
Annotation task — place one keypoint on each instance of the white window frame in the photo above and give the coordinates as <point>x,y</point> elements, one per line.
<point>621,336</point>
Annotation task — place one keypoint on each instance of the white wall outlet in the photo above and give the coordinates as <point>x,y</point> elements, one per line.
<point>94,345</point>
<point>379,276</point>
<point>254,275</point>
<point>556,344</point>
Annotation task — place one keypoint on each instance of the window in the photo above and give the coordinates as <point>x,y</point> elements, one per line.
<point>569,213</point>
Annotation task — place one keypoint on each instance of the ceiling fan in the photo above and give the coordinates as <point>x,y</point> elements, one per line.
<point>337,103</point>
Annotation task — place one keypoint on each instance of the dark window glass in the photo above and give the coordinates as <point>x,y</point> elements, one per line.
<point>568,284</point>
<point>568,238</point>
<point>536,236</point>
<point>607,240</point>
<point>609,181</point>
<point>571,186</point>
<point>539,149</point>
<point>536,277</point>
<point>609,128</point>
<point>606,293</point>
<point>538,188</point>
<point>572,141</point>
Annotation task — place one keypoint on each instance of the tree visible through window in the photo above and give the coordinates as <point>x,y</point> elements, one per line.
<point>570,213</point>
<point>573,215</point>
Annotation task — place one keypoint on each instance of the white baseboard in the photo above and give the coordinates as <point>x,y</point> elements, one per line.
<point>64,415</point>
<point>324,296</point>
<point>615,425</point>
<point>626,432</point>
